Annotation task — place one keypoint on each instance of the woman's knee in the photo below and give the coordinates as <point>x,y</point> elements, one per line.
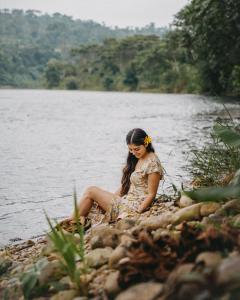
<point>91,191</point>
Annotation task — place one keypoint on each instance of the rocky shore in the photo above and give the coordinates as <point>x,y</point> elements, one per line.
<point>175,251</point>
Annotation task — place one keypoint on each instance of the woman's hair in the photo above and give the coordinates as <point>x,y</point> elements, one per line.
<point>135,136</point>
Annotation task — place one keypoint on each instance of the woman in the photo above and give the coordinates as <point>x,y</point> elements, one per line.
<point>139,184</point>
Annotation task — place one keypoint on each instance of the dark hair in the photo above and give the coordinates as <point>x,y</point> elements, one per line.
<point>135,136</point>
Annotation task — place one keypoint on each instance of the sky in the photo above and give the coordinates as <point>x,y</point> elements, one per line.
<point>120,13</point>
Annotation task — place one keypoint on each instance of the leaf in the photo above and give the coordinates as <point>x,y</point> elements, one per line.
<point>29,282</point>
<point>214,193</point>
<point>227,135</point>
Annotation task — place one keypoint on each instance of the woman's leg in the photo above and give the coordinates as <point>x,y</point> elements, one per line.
<point>94,193</point>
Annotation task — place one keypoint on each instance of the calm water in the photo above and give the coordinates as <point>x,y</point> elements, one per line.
<point>51,140</point>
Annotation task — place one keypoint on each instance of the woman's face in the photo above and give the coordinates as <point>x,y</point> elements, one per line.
<point>138,151</point>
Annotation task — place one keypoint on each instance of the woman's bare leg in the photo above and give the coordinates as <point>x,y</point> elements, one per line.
<point>94,193</point>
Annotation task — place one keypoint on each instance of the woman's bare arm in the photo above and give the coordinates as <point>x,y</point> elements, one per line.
<point>153,183</point>
<point>118,191</point>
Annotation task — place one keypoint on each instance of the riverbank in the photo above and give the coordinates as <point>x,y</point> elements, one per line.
<point>176,249</point>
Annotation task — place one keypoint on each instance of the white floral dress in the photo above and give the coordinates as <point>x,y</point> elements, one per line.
<point>128,205</point>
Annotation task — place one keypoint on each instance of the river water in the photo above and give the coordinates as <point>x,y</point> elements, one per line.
<point>52,141</point>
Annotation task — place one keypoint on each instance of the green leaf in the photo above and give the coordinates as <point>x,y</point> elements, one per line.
<point>227,135</point>
<point>214,193</point>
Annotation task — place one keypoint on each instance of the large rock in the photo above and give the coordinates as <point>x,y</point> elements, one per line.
<point>189,213</point>
<point>98,257</point>
<point>229,273</point>
<point>65,295</point>
<point>118,253</point>
<point>111,285</point>
<point>155,222</point>
<point>185,201</point>
<point>105,236</point>
<point>125,224</point>
<point>52,270</point>
<point>209,259</point>
<point>209,208</point>
<point>142,291</point>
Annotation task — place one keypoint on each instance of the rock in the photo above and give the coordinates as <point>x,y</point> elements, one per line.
<point>185,201</point>
<point>126,240</point>
<point>236,221</point>
<point>155,222</point>
<point>5,263</point>
<point>209,208</point>
<point>98,257</point>
<point>228,273</point>
<point>189,213</point>
<point>210,259</point>
<point>125,224</point>
<point>166,234</point>
<point>64,295</point>
<point>232,208</point>
<point>111,285</point>
<point>105,237</point>
<point>119,253</point>
<point>142,291</point>
<point>52,270</point>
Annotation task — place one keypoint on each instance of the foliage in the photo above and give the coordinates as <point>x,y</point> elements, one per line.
<point>216,162</point>
<point>210,30</point>
<point>228,161</point>
<point>69,250</point>
<point>30,39</point>
<point>133,63</point>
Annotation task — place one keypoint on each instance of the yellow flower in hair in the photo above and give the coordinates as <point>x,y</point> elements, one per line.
<point>147,140</point>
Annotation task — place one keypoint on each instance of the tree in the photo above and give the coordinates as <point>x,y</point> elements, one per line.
<point>210,31</point>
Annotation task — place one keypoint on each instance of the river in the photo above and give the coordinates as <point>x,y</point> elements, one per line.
<point>52,141</point>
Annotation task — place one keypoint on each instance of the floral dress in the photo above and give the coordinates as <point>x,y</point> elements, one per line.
<point>128,205</point>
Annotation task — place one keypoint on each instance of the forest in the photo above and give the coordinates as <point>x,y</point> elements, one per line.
<point>198,53</point>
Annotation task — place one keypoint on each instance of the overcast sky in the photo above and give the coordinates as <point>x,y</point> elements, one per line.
<point>112,12</point>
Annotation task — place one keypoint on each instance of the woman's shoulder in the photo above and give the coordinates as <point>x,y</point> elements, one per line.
<point>153,164</point>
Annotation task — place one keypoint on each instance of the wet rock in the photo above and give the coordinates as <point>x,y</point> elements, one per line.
<point>155,222</point>
<point>5,263</point>
<point>209,208</point>
<point>125,224</point>
<point>185,201</point>
<point>142,291</point>
<point>189,213</point>
<point>209,259</point>
<point>119,253</point>
<point>228,273</point>
<point>111,285</point>
<point>65,295</point>
<point>105,237</point>
<point>98,257</point>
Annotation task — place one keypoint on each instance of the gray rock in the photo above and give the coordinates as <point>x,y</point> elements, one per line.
<point>155,222</point>
<point>111,285</point>
<point>116,256</point>
<point>210,259</point>
<point>228,273</point>
<point>125,224</point>
<point>142,291</point>
<point>103,236</point>
<point>189,213</point>
<point>209,208</point>
<point>98,257</point>
<point>65,295</point>
<point>185,201</point>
